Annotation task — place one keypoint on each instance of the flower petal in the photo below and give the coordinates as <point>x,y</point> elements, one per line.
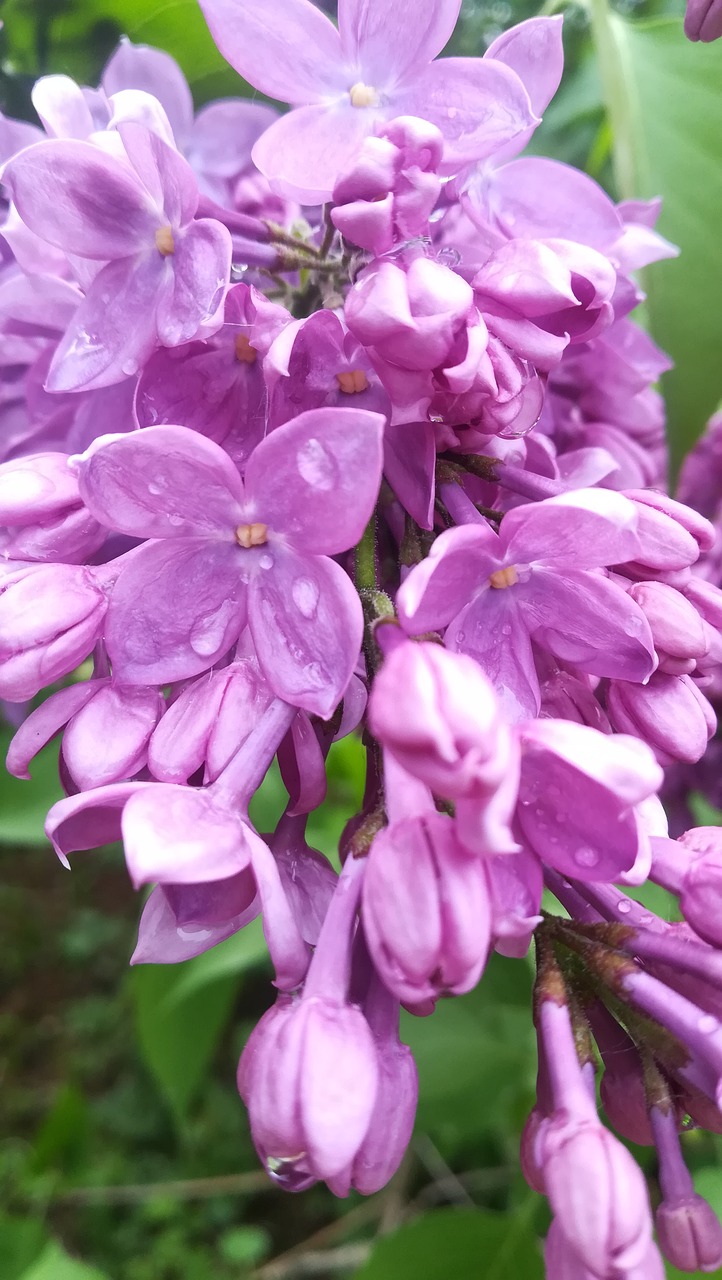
<point>317,477</point>
<point>586,529</point>
<point>534,50</point>
<point>492,629</point>
<point>303,153</point>
<point>585,619</point>
<point>176,608</point>
<point>178,835</point>
<point>114,330</point>
<point>479,105</point>
<point>138,66</point>
<point>201,273</point>
<point>441,586</point>
<point>167,482</point>
<point>224,133</point>
<point>62,107</point>
<point>306,622</point>
<point>388,41</point>
<point>409,467</point>
<point>163,172</point>
<point>287,49</point>
<point>81,200</point>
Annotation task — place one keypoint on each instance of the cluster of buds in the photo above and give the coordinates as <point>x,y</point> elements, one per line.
<point>395,467</point>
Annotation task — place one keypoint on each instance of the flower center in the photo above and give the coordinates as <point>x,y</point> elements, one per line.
<point>164,242</point>
<point>501,578</point>
<point>245,353</point>
<point>363,95</point>
<point>252,535</point>
<point>352,382</point>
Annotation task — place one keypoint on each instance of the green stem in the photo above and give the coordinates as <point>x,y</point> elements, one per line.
<point>366,557</point>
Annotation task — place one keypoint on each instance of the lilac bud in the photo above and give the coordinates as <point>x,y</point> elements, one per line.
<point>43,513</point>
<point>703,20</point>
<point>309,1077</point>
<point>107,739</point>
<point>50,619</point>
<point>700,892</point>
<point>530,1167</point>
<point>669,713</point>
<point>426,909</point>
<point>597,1192</point>
<point>678,630</point>
<point>562,1263</point>
<point>690,1234</point>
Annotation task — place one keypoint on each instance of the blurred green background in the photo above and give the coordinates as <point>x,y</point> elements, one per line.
<point>124,1150</point>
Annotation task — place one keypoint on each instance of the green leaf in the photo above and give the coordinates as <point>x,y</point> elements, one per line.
<point>21,1242</point>
<point>24,805</point>
<point>663,97</point>
<point>178,1037</point>
<point>55,1264</point>
<point>457,1244</point>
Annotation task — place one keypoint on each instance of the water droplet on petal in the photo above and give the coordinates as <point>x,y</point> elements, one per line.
<point>646,918</point>
<point>154,489</point>
<point>266,562</point>
<point>175,520</point>
<point>707,1024</point>
<point>187,934</point>
<point>449,256</point>
<point>208,632</point>
<point>290,1172</point>
<point>586,857</point>
<point>316,465</point>
<point>624,907</point>
<point>129,368</point>
<point>305,596</point>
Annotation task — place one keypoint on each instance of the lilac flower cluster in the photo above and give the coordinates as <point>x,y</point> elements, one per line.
<point>337,421</point>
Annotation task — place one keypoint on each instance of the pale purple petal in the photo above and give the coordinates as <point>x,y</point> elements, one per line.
<point>409,467</point>
<point>133,106</point>
<point>585,529</point>
<point>62,107</point>
<point>167,482</point>
<point>479,106</point>
<point>223,135</point>
<point>107,739</point>
<point>534,50</point>
<point>317,477</point>
<point>201,272</point>
<point>177,835</point>
<point>539,197</point>
<point>176,608</point>
<point>163,172</point>
<point>287,49</point>
<point>437,589</point>
<point>91,819</point>
<point>43,723</point>
<point>306,622</point>
<point>337,1086</point>
<point>114,330</point>
<point>304,152</point>
<point>492,630</point>
<point>390,41</point>
<point>162,940</point>
<point>137,66</point>
<point>586,620</point>
<point>81,200</point>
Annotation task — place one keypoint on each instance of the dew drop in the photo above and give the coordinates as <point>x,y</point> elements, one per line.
<point>154,489</point>
<point>266,562</point>
<point>175,520</point>
<point>129,368</point>
<point>624,907</point>
<point>707,1024</point>
<point>646,918</point>
<point>194,935</point>
<point>305,596</point>
<point>506,630</point>
<point>460,637</point>
<point>586,857</point>
<point>314,673</point>
<point>207,635</point>
<point>449,256</point>
<point>316,466</point>
<point>289,1172</point>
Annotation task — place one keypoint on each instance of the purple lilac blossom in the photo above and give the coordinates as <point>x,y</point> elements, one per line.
<point>395,468</point>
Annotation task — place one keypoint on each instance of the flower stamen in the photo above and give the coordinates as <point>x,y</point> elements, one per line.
<point>245,353</point>
<point>252,535</point>
<point>352,381</point>
<point>501,578</point>
<point>164,242</point>
<point>363,95</point>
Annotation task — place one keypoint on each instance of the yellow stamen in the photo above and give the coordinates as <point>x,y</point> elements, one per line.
<point>501,578</point>
<point>245,353</point>
<point>252,535</point>
<point>164,242</point>
<point>352,382</point>
<point>363,95</point>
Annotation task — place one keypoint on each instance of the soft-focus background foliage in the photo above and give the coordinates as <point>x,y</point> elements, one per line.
<point>124,1151</point>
